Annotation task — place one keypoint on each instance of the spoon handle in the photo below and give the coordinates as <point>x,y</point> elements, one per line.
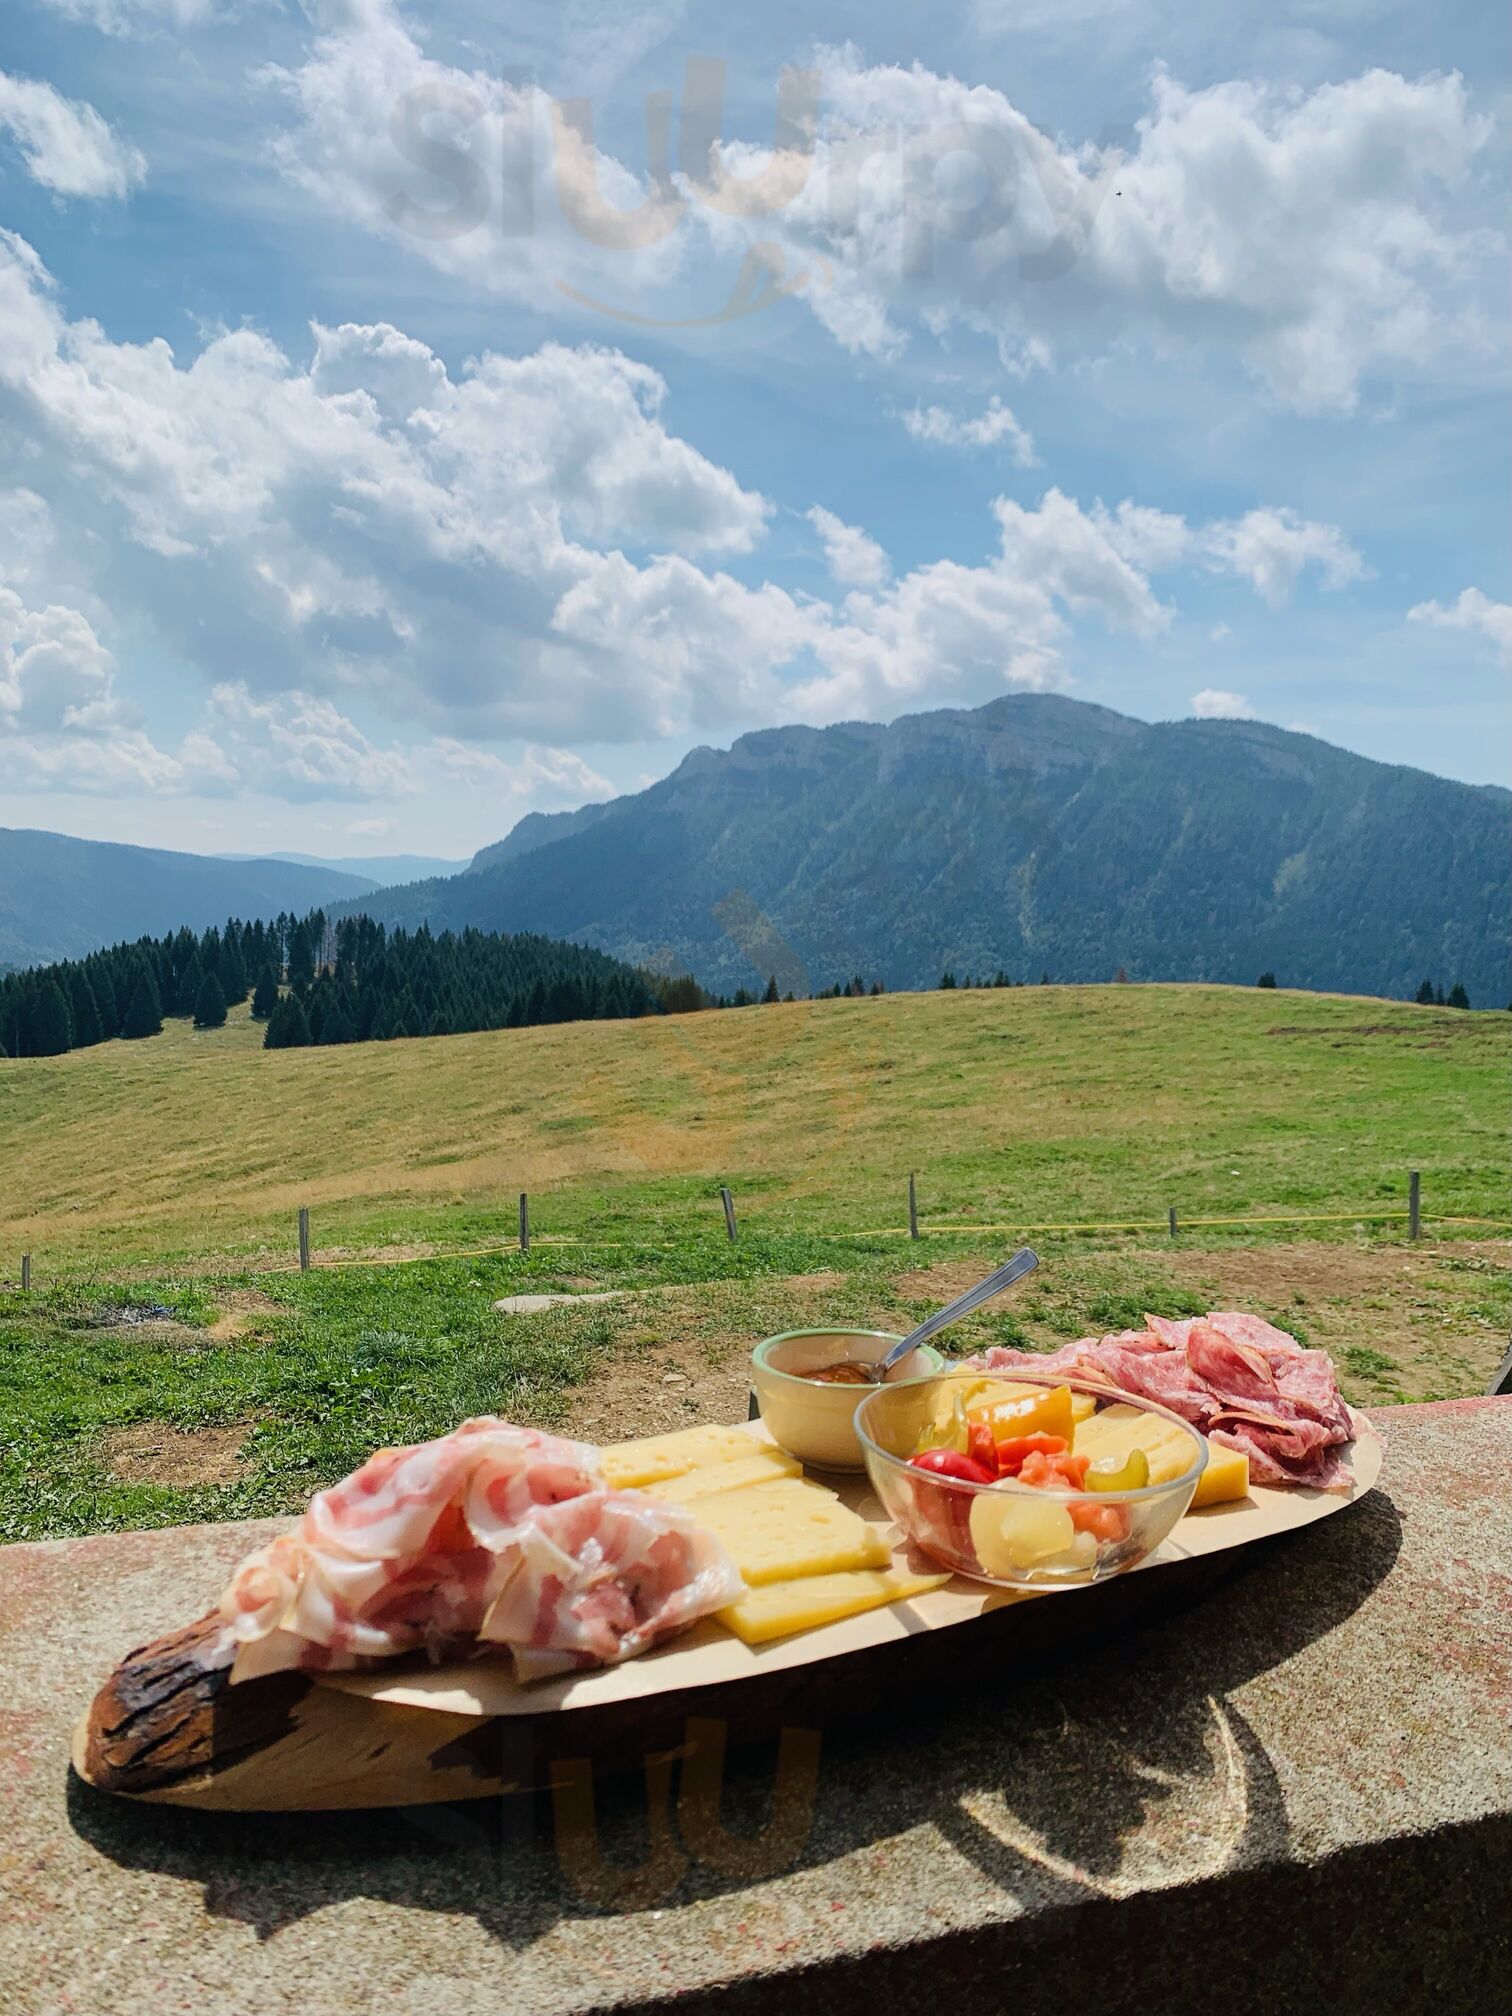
<point>1023,1262</point>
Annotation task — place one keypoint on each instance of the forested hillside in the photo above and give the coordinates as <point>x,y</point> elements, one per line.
<point>1036,834</point>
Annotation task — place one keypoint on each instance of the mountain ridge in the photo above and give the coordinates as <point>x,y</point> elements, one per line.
<point>62,897</point>
<point>1036,833</point>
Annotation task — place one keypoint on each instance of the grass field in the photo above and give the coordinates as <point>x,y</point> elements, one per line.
<point>161,1179</point>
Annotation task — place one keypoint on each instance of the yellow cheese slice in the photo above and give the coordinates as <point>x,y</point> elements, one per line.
<point>780,1608</point>
<point>1226,1477</point>
<point>774,1532</point>
<point>654,1458</point>
<point>762,1466</point>
<point>1118,1430</point>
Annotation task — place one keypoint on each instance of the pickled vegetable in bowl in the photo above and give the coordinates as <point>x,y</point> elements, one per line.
<point>1026,1484</point>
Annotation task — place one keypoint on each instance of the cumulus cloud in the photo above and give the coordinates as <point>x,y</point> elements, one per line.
<point>1472,611</point>
<point>1214,704</point>
<point>1310,234</point>
<point>853,557</point>
<point>989,429</point>
<point>64,144</point>
<point>519,551</point>
<point>1271,548</point>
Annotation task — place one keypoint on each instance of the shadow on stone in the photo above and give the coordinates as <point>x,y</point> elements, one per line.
<point>1115,1767</point>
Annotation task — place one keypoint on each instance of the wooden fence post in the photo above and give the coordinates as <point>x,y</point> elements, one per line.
<point>729,1210</point>
<point>26,1273</point>
<point>1414,1205</point>
<point>1172,1220</point>
<point>304,1238</point>
<point>913,1204</point>
<point>524,1222</point>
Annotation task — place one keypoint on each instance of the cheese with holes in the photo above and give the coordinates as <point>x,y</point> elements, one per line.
<point>778,1609</point>
<point>762,1466</point>
<point>1226,1477</point>
<point>1117,1431</point>
<point>654,1458</point>
<point>774,1532</point>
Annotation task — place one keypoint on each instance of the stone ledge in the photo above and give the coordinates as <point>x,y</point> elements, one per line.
<point>1298,1791</point>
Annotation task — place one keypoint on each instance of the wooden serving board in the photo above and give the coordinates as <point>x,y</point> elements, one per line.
<point>413,1735</point>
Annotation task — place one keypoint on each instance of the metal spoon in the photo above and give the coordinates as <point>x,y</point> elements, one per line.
<point>1023,1262</point>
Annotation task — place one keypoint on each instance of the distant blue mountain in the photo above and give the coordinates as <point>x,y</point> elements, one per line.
<point>61,898</point>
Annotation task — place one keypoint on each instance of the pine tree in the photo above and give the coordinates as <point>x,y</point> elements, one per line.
<point>288,1026</point>
<point>1266,980</point>
<point>84,1010</point>
<point>1458,998</point>
<point>1424,995</point>
<point>192,979</point>
<point>1438,997</point>
<point>301,958</point>
<point>947,978</point>
<point>771,989</point>
<point>231,973</point>
<point>51,1030</point>
<point>265,1000</point>
<point>144,1014</point>
<point>335,1028</point>
<point>210,1007</point>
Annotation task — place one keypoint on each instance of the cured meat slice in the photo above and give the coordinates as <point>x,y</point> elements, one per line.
<point>408,1553</point>
<point>602,1577</point>
<point>1235,1376</point>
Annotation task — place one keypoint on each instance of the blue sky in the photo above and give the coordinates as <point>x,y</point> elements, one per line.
<point>410,417</point>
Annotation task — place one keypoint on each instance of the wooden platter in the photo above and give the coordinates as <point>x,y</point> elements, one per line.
<point>413,1735</point>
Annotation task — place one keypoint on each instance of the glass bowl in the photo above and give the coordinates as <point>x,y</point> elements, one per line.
<point>1015,1535</point>
<point>812,1420</point>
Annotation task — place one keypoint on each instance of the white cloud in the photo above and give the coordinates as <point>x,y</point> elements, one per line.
<point>1270,549</point>
<point>518,553</point>
<point>64,144</point>
<point>54,671</point>
<point>1312,235</point>
<point>853,557</point>
<point>298,746</point>
<point>1472,611</point>
<point>26,533</point>
<point>1214,704</point>
<point>540,774</point>
<point>988,429</point>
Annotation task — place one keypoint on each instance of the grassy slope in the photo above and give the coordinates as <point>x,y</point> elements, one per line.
<point>1028,1105</point>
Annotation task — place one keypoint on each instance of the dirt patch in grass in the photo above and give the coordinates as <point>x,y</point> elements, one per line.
<point>241,1311</point>
<point>153,1452</point>
<point>681,1355</point>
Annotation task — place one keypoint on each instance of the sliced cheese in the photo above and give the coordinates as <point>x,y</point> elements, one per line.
<point>778,1609</point>
<point>654,1458</point>
<point>762,1466</point>
<point>774,1532</point>
<point>1226,1477</point>
<point>1118,1430</point>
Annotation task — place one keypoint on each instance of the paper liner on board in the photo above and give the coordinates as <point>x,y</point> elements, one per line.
<point>709,1656</point>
